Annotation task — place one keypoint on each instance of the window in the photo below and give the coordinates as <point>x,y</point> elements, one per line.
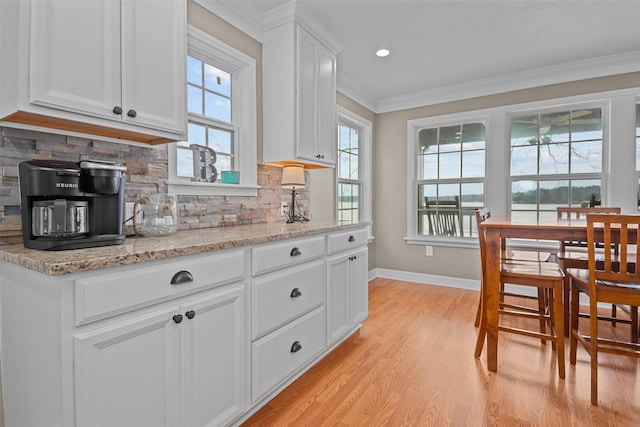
<point>450,168</point>
<point>222,115</point>
<point>348,169</point>
<point>562,152</point>
<point>210,119</point>
<point>556,160</point>
<point>353,169</point>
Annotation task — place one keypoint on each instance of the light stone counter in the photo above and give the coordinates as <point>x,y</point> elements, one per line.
<point>142,249</point>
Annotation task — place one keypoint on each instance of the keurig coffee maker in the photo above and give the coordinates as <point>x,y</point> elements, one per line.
<point>67,205</point>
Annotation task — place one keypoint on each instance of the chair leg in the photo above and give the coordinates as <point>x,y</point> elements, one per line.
<point>558,327</point>
<point>551,310</point>
<point>542,311</point>
<point>476,323</point>
<point>481,323</point>
<point>634,325</point>
<point>482,333</point>
<point>593,331</point>
<point>575,314</point>
<point>566,294</point>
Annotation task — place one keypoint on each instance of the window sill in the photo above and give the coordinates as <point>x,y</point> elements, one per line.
<point>211,189</point>
<point>452,242</point>
<point>472,243</point>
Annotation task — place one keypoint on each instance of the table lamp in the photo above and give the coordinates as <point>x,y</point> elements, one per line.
<point>293,179</point>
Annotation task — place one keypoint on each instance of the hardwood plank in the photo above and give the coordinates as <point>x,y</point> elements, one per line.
<point>412,364</point>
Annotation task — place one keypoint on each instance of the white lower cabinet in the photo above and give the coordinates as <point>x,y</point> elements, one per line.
<point>213,359</point>
<point>179,366</point>
<point>184,342</point>
<point>347,292</point>
<point>287,311</point>
<point>127,374</point>
<point>174,353</point>
<point>281,353</point>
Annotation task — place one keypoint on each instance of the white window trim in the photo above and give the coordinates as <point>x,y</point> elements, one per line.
<point>366,214</point>
<point>412,183</point>
<point>618,167</point>
<point>243,68</point>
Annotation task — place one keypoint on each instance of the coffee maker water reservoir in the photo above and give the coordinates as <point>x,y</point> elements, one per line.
<point>67,205</point>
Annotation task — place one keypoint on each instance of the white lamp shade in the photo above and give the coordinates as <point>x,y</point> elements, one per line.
<point>292,177</point>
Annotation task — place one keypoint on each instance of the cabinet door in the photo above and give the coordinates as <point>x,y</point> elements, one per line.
<point>347,292</point>
<point>359,278</point>
<point>338,297</point>
<point>327,122</point>
<point>75,56</point>
<point>315,100</point>
<point>215,358</point>
<point>154,64</point>
<point>128,374</point>
<point>306,97</point>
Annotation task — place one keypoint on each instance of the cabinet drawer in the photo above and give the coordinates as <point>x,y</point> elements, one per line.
<point>338,242</point>
<point>101,296</point>
<point>282,296</point>
<point>274,357</point>
<point>271,257</point>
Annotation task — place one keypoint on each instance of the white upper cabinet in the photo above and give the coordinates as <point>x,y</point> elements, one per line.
<point>102,67</point>
<point>299,70</point>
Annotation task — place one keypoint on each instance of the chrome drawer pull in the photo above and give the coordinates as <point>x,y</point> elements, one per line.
<point>295,251</point>
<point>296,347</point>
<point>295,293</point>
<point>181,277</point>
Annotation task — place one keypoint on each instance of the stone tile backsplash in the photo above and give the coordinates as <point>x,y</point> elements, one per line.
<point>146,173</point>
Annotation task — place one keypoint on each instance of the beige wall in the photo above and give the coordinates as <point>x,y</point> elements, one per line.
<point>389,178</point>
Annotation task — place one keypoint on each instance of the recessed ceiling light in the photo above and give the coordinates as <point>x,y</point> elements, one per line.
<point>381,53</point>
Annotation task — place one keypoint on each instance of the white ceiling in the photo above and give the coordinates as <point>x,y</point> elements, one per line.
<point>455,49</point>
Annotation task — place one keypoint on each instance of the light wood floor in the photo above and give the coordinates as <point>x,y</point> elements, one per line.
<point>412,364</point>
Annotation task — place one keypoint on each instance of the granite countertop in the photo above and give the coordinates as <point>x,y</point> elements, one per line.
<point>142,249</point>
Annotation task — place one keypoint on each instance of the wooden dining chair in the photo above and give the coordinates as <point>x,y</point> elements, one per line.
<point>544,276</point>
<point>573,254</point>
<point>605,282</point>
<point>510,255</point>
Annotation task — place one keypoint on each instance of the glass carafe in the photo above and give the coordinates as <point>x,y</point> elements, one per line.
<point>156,215</point>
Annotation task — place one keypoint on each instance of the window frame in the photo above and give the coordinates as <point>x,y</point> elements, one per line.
<point>345,116</point>
<point>617,187</point>
<point>345,122</point>
<point>242,68</point>
<point>413,128</point>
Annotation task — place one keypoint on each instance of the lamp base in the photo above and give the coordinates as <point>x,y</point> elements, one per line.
<point>298,218</point>
<point>291,214</point>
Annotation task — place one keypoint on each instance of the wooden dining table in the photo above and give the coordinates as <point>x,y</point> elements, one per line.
<point>500,227</point>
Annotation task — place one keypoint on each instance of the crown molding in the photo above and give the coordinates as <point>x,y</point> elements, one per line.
<point>243,18</point>
<point>294,11</point>
<point>563,73</point>
<point>345,87</point>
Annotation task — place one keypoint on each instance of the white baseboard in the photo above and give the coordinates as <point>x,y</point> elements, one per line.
<point>426,279</point>
<point>451,282</point>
